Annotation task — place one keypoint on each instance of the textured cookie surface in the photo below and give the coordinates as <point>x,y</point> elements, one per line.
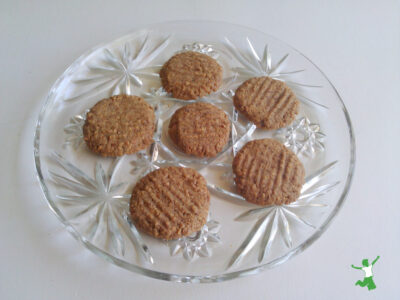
<point>190,75</point>
<point>119,125</point>
<point>267,173</point>
<point>170,203</point>
<point>200,129</point>
<point>267,102</point>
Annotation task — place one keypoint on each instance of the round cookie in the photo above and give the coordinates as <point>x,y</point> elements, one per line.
<point>170,203</point>
<point>200,129</point>
<point>267,173</point>
<point>191,75</point>
<point>267,102</point>
<point>119,125</point>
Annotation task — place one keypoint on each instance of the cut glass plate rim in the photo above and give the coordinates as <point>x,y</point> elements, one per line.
<point>228,275</point>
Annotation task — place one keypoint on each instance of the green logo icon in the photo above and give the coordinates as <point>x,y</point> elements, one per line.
<point>367,268</point>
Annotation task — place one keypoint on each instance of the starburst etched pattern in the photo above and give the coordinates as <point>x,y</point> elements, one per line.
<point>74,131</point>
<point>274,219</point>
<point>225,92</point>
<point>158,97</point>
<point>158,93</point>
<point>254,65</point>
<point>157,155</point>
<point>120,70</point>
<point>98,206</point>
<point>201,48</point>
<point>197,243</point>
<point>302,137</point>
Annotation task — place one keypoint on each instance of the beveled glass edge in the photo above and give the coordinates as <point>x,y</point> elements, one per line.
<point>179,277</point>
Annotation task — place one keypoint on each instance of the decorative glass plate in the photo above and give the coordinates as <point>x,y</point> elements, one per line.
<point>90,194</point>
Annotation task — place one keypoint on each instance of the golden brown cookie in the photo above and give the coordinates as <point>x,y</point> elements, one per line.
<point>200,129</point>
<point>191,75</point>
<point>119,125</point>
<point>267,173</point>
<point>170,203</point>
<point>267,102</point>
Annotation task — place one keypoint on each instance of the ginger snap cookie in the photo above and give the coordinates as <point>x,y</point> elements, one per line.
<point>200,129</point>
<point>267,173</point>
<point>191,75</point>
<point>170,203</point>
<point>119,125</point>
<point>267,102</point>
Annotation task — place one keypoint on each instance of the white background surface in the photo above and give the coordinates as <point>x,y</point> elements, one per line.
<point>356,43</point>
